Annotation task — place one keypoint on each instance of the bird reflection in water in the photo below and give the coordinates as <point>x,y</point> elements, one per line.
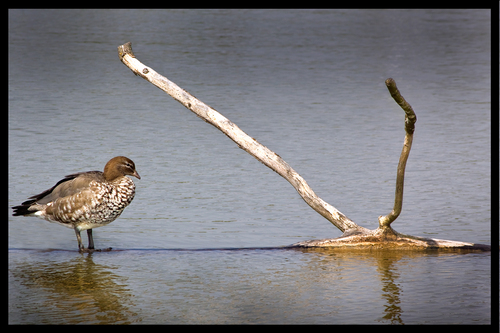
<point>78,291</point>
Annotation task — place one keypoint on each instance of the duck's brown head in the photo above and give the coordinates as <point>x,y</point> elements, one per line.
<point>120,166</point>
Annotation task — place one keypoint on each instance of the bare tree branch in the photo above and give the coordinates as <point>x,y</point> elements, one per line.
<point>384,237</point>
<point>410,120</point>
<point>244,141</point>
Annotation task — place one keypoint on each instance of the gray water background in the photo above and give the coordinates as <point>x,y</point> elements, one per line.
<point>307,84</point>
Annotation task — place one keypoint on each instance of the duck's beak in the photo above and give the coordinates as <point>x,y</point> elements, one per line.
<point>136,174</point>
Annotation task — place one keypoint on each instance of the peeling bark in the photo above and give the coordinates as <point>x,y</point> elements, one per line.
<point>354,236</point>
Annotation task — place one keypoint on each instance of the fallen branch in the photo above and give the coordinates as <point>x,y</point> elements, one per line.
<point>244,141</point>
<point>353,235</point>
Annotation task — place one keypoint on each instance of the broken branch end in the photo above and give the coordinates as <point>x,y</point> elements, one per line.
<point>125,49</point>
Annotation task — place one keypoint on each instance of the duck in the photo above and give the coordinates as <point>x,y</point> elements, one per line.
<point>85,200</point>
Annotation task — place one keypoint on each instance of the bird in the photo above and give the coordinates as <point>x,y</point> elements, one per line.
<point>85,200</point>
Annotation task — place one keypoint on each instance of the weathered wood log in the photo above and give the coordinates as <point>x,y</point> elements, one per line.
<point>244,141</point>
<point>354,236</point>
<point>374,241</point>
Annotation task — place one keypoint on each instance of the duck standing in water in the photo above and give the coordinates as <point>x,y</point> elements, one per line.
<point>85,200</point>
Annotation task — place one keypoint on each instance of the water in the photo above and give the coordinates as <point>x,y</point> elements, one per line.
<point>249,286</point>
<point>307,84</point>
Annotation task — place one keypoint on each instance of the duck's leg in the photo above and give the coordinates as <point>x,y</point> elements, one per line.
<point>91,239</point>
<point>79,239</point>
<point>91,243</point>
<point>91,248</point>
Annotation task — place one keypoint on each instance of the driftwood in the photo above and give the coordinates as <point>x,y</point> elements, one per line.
<point>354,236</point>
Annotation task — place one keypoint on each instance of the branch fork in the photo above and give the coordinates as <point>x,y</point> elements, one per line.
<point>354,236</point>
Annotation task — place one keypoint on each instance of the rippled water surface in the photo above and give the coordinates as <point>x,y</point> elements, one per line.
<point>200,242</point>
<point>247,286</point>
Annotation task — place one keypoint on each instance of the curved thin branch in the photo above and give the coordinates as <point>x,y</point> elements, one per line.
<point>410,119</point>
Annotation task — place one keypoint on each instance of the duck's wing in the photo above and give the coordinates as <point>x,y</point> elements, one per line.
<point>68,186</point>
